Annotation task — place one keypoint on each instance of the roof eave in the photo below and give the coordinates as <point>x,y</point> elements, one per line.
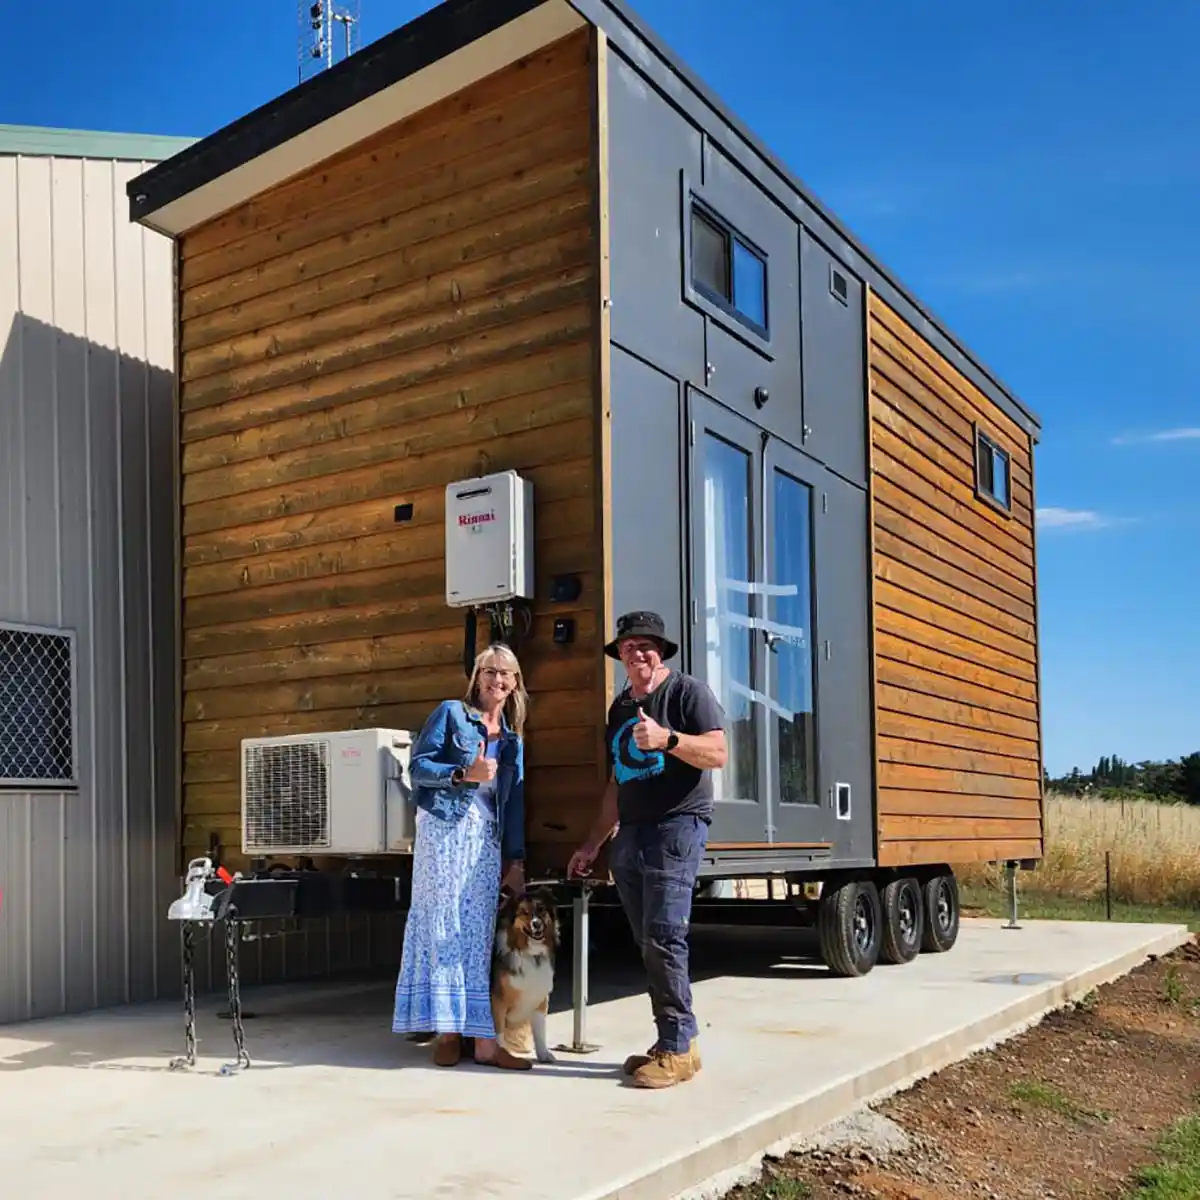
<point>437,53</point>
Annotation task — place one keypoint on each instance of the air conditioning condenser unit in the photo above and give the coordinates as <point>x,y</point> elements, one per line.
<point>340,793</point>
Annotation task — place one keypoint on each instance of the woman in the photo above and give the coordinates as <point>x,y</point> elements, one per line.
<point>467,768</point>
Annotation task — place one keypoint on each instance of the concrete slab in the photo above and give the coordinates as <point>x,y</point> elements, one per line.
<point>334,1100</point>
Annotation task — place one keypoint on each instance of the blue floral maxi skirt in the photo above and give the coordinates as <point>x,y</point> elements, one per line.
<point>445,965</point>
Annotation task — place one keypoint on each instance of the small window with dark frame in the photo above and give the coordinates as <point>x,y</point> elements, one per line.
<point>992,471</point>
<point>727,271</point>
<point>37,707</point>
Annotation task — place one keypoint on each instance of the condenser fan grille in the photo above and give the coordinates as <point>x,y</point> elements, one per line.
<point>287,795</point>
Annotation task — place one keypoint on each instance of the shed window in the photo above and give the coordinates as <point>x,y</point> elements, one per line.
<point>992,471</point>
<point>727,270</point>
<point>37,705</point>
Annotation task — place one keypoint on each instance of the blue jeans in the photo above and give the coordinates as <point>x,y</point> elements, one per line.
<point>655,868</point>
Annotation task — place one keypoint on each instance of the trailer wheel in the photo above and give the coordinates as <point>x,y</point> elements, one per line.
<point>849,926</point>
<point>903,920</point>
<point>941,913</point>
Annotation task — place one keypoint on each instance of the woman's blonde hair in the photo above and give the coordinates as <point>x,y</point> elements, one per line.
<point>517,705</point>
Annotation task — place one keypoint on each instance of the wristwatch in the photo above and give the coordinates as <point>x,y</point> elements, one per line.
<point>672,740</point>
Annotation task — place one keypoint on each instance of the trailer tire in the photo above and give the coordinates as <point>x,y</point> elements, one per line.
<point>941,913</point>
<point>849,926</point>
<point>903,906</point>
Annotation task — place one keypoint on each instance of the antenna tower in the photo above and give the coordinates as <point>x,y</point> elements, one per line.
<point>330,31</point>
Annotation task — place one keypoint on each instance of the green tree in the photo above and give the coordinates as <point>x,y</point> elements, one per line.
<point>1189,777</point>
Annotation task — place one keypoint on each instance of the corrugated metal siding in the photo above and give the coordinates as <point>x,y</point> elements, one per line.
<point>86,544</point>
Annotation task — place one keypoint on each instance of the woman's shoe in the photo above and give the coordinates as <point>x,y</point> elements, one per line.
<point>447,1051</point>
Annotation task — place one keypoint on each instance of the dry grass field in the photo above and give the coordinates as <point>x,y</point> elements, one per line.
<point>1155,853</point>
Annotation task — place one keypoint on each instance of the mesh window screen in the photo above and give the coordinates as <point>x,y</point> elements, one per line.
<point>36,706</point>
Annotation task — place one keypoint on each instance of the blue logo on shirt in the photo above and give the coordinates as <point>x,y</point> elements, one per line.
<point>629,761</point>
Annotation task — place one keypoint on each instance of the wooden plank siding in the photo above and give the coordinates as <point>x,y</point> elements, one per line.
<point>957,704</point>
<point>422,308</point>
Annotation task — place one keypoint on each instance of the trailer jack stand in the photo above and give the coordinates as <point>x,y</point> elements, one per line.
<point>192,909</point>
<point>579,976</point>
<point>1011,869</point>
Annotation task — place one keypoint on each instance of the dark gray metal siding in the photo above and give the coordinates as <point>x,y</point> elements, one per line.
<point>814,356</point>
<point>647,528</point>
<point>644,234</point>
<point>834,336</point>
<point>844,716</point>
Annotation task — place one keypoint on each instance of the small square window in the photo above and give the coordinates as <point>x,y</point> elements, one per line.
<point>37,707</point>
<point>727,271</point>
<point>992,471</point>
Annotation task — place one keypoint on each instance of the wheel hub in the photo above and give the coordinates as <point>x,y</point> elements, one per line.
<point>863,925</point>
<point>907,914</point>
<point>943,907</point>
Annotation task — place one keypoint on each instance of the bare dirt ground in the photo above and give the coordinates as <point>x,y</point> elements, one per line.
<point>1071,1108</point>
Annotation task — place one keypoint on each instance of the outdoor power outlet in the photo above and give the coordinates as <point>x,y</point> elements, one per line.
<point>564,630</point>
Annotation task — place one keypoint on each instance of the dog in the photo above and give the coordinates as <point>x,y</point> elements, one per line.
<point>523,970</point>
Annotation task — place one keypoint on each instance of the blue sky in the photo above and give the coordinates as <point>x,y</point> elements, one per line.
<point>1030,169</point>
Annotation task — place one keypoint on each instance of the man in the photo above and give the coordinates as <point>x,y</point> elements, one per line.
<point>665,737</point>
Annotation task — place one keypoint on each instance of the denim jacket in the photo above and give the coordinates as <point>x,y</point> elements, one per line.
<point>452,737</point>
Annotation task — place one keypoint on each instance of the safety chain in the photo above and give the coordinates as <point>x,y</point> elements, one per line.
<point>189,998</point>
<point>232,938</point>
<point>232,935</point>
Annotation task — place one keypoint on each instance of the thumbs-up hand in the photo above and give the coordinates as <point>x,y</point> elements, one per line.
<point>648,734</point>
<point>482,769</point>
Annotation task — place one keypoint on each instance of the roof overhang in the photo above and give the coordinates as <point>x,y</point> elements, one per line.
<point>437,54</point>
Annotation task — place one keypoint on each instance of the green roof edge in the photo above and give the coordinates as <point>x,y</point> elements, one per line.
<point>86,143</point>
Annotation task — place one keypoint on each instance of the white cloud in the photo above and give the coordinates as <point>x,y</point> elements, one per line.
<point>1072,518</point>
<point>1187,434</point>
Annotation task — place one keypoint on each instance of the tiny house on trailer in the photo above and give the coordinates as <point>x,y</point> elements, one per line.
<point>518,240</point>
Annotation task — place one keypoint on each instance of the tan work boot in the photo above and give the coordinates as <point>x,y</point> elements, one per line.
<point>665,1070</point>
<point>636,1061</point>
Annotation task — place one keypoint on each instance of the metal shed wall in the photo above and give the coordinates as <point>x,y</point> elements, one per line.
<point>86,545</point>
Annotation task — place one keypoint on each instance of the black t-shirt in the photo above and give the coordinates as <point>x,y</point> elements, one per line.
<point>653,784</point>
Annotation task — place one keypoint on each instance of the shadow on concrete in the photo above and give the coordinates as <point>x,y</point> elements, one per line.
<point>346,1023</point>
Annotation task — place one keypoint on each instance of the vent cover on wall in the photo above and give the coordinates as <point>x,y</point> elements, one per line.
<point>838,285</point>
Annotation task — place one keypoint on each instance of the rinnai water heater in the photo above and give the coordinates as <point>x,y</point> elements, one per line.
<point>489,540</point>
